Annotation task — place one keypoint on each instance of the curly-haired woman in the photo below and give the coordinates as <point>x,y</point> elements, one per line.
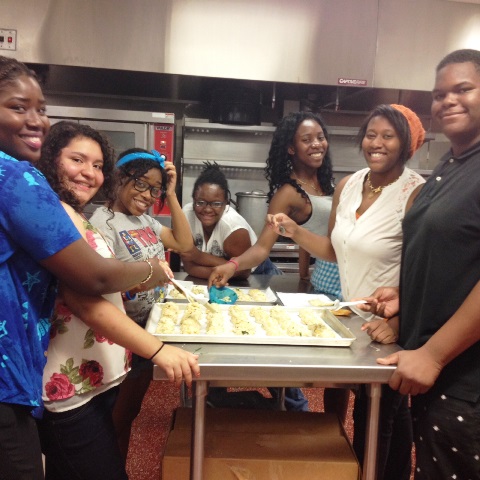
<point>299,173</point>
<point>86,363</point>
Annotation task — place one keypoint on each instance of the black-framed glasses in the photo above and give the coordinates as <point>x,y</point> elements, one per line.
<point>203,204</point>
<point>141,186</point>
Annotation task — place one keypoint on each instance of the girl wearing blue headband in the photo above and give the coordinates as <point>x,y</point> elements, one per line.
<point>153,155</point>
<point>144,177</point>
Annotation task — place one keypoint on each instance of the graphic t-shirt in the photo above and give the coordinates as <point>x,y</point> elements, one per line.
<point>132,239</point>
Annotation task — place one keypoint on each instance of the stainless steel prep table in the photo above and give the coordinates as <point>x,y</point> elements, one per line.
<point>260,365</point>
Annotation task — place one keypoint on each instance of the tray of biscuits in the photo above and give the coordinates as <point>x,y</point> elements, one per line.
<point>246,296</point>
<point>248,324</point>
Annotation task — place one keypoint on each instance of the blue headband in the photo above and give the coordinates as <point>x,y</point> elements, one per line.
<point>155,156</point>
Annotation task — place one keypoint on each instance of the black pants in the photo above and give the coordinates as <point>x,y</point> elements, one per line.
<point>20,454</point>
<point>447,437</point>
<point>81,444</point>
<point>395,436</point>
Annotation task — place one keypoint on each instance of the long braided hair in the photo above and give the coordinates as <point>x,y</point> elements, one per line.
<point>279,162</point>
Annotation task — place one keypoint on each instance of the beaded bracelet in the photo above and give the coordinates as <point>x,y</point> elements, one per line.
<point>150,274</point>
<point>232,260</point>
<point>157,352</point>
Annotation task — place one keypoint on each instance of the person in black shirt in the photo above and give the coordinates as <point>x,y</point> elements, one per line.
<point>439,295</point>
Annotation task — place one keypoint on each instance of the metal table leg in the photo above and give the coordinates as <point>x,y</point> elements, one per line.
<point>374,392</point>
<point>198,429</point>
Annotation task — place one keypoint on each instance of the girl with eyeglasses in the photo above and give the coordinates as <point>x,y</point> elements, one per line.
<point>133,235</point>
<point>219,232</point>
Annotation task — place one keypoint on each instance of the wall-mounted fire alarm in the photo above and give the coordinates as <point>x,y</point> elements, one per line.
<point>8,39</point>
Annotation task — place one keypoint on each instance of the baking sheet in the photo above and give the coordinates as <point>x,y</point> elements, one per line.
<point>344,337</point>
<point>173,295</point>
<point>302,300</point>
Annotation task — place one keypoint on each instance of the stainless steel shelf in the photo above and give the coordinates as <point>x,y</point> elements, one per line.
<point>224,163</point>
<point>207,127</point>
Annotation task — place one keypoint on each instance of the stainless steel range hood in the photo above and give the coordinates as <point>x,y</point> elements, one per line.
<point>370,43</point>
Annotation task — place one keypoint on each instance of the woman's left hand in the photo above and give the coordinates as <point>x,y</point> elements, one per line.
<point>178,364</point>
<point>416,372</point>
<point>168,274</point>
<point>380,331</point>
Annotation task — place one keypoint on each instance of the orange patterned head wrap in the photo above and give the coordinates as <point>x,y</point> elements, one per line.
<point>417,132</point>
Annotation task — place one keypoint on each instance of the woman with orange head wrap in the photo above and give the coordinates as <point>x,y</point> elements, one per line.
<point>365,237</point>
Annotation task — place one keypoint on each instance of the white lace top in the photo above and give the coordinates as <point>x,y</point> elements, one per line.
<point>369,248</point>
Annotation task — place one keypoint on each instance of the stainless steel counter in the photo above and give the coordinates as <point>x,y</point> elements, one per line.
<point>259,365</point>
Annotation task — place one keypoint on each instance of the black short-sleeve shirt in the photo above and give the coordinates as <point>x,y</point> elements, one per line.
<point>441,264</point>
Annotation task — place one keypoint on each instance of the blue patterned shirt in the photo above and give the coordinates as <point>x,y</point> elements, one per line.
<point>33,226</point>
<point>326,279</point>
